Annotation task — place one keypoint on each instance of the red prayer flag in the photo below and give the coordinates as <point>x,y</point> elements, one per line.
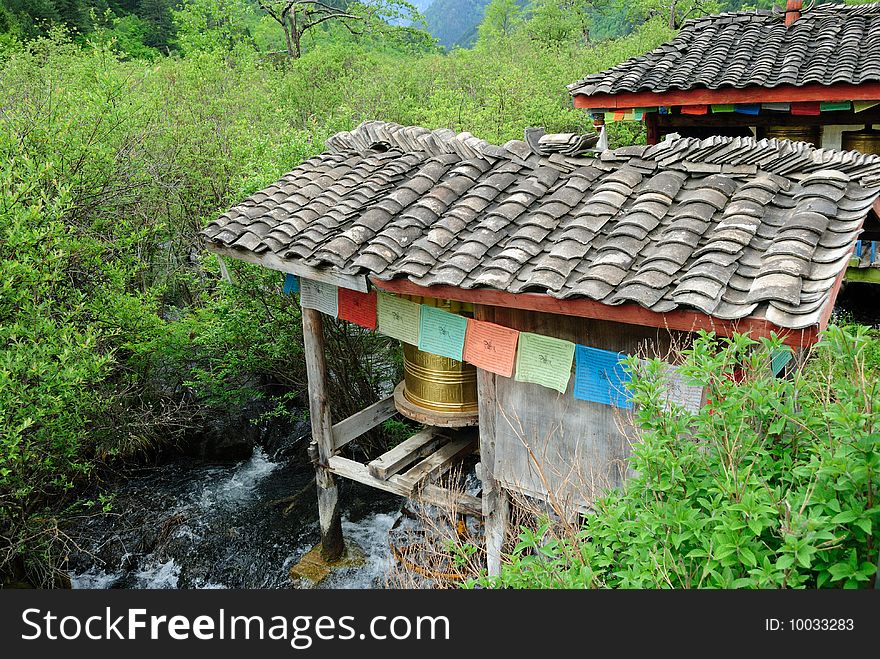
<point>806,109</point>
<point>694,109</point>
<point>490,347</point>
<point>358,308</point>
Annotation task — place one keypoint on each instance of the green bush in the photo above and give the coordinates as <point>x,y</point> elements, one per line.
<point>773,484</point>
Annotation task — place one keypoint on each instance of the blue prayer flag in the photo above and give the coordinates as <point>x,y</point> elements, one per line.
<point>291,284</point>
<point>747,108</point>
<point>778,359</point>
<point>601,377</point>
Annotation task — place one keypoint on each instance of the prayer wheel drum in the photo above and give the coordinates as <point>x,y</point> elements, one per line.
<point>866,140</point>
<point>439,384</point>
<point>794,133</point>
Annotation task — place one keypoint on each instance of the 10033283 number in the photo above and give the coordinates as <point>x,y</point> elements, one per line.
<point>821,624</point>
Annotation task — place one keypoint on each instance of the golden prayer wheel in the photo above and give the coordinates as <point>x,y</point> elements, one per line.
<point>439,383</point>
<point>866,140</point>
<point>794,133</point>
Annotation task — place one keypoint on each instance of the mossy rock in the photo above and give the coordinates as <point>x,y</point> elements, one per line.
<point>311,570</point>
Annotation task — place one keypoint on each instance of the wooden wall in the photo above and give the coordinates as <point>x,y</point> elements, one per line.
<point>550,445</point>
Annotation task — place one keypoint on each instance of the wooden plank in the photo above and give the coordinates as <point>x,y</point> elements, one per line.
<point>362,422</point>
<point>274,262</point>
<point>332,545</point>
<point>631,314</point>
<point>408,451</point>
<point>754,94</point>
<point>566,451</point>
<point>495,503</point>
<point>431,494</point>
<point>439,462</point>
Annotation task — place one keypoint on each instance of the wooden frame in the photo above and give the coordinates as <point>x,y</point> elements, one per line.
<point>273,262</point>
<point>754,94</point>
<point>632,314</point>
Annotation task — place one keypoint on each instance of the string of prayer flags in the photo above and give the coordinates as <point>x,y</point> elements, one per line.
<point>694,109</point>
<point>490,347</point>
<point>358,308</point>
<point>779,359</point>
<point>752,109</point>
<point>319,296</point>
<point>442,333</point>
<point>678,391</point>
<point>291,284</point>
<point>832,106</point>
<point>805,109</point>
<point>600,377</point>
<point>544,360</point>
<point>398,318</point>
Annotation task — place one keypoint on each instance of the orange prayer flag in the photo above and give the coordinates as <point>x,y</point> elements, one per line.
<point>358,308</point>
<point>806,109</point>
<point>490,347</point>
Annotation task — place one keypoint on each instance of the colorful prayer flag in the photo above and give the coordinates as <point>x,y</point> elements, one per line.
<point>779,359</point>
<point>776,107</point>
<point>694,109</point>
<point>861,106</point>
<point>398,318</point>
<point>600,377</point>
<point>805,109</point>
<point>677,391</point>
<point>490,347</point>
<point>441,333</point>
<point>319,296</point>
<point>544,360</point>
<point>831,106</point>
<point>358,308</point>
<point>722,107</point>
<point>747,108</point>
<point>291,284</point>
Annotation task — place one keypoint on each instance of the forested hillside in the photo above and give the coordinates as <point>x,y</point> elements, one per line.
<point>127,125</point>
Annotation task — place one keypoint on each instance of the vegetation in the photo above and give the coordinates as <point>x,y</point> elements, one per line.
<point>773,484</point>
<point>127,125</point>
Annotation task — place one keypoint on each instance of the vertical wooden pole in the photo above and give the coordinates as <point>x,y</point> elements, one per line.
<point>653,130</point>
<point>495,504</point>
<point>332,546</point>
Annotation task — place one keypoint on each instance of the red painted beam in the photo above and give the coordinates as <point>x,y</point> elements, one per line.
<point>631,314</point>
<point>869,91</point>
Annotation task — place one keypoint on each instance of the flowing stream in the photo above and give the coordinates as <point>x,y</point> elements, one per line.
<point>187,524</point>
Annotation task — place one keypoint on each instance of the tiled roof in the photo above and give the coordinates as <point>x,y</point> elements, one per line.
<point>828,44</point>
<point>728,226</point>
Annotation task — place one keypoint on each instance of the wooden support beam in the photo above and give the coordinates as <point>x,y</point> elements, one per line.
<point>438,462</point>
<point>494,501</point>
<point>632,314</point>
<point>408,451</point>
<point>431,494</point>
<point>332,545</point>
<point>754,94</point>
<point>274,262</point>
<point>362,422</point>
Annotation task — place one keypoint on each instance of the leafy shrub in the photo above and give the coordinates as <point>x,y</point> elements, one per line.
<point>773,484</point>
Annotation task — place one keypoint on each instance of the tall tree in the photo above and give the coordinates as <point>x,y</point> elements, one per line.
<point>296,17</point>
<point>502,17</point>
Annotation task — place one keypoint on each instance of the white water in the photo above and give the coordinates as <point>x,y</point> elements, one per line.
<point>223,516</point>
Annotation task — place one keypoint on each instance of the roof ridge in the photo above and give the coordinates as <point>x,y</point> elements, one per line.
<point>441,141</point>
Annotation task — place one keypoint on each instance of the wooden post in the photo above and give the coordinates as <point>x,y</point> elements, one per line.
<point>332,545</point>
<point>651,125</point>
<point>495,504</point>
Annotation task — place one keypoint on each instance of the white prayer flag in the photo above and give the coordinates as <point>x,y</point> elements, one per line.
<point>319,296</point>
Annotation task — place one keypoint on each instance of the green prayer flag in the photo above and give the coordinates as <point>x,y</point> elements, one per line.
<point>398,318</point>
<point>828,106</point>
<point>544,360</point>
<point>722,107</point>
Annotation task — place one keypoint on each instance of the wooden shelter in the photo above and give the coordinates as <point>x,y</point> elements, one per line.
<point>811,75</point>
<point>614,250</point>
